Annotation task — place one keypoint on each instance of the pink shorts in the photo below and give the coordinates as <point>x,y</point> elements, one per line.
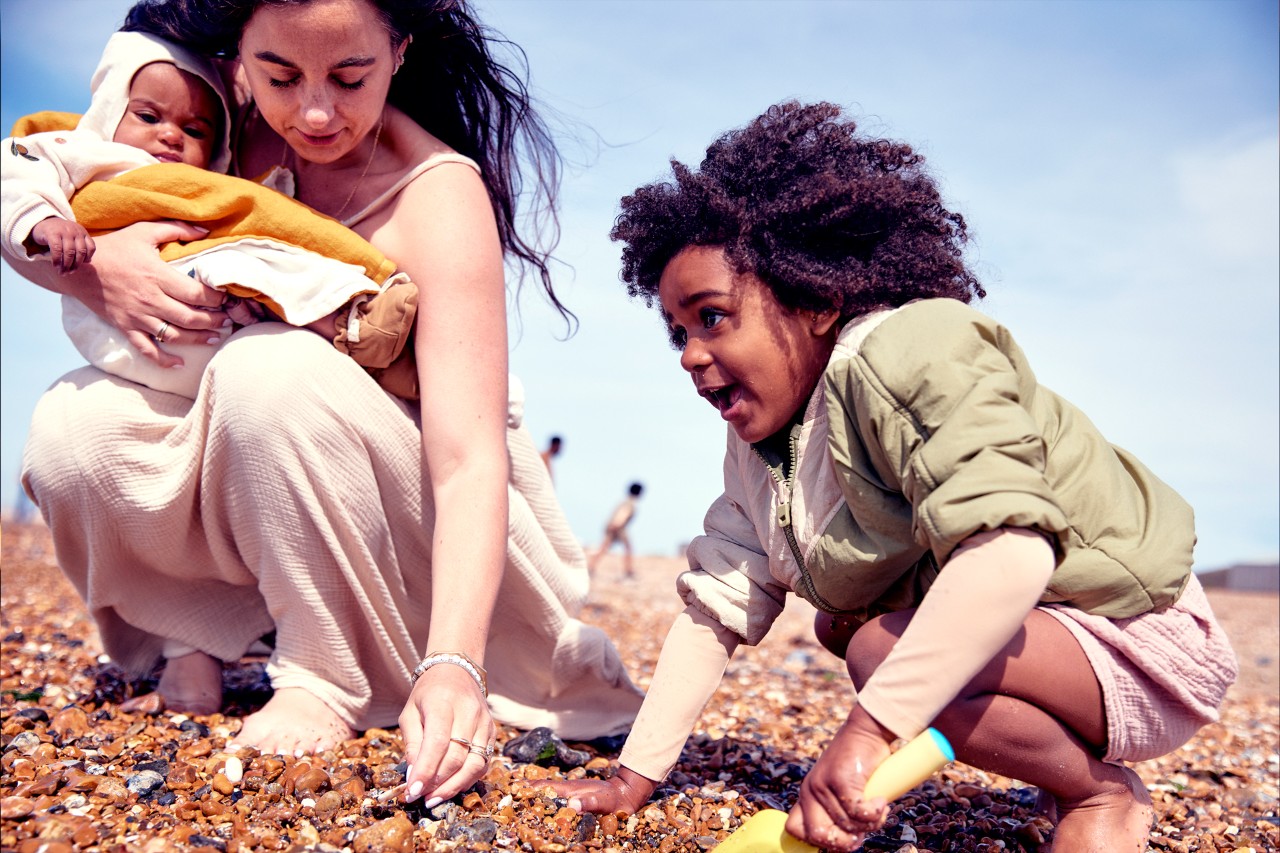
<point>1163,674</point>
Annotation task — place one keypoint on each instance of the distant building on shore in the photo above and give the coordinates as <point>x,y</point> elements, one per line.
<point>1243,577</point>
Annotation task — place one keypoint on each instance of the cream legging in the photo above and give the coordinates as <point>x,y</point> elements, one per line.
<point>291,495</point>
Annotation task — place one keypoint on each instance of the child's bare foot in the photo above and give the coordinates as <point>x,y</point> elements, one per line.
<point>1117,820</point>
<point>293,722</point>
<point>190,683</point>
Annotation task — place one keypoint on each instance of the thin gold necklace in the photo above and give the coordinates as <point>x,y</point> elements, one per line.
<point>377,134</point>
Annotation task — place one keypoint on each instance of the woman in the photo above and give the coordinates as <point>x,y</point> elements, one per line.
<point>294,495</point>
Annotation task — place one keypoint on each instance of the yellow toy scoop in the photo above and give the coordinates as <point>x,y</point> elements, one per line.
<point>924,755</point>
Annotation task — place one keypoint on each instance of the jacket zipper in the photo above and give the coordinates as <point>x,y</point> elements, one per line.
<point>784,519</point>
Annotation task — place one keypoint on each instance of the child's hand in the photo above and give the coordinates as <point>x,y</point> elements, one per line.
<point>69,243</point>
<point>626,792</point>
<point>831,812</point>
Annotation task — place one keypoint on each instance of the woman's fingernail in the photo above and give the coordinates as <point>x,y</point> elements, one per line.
<point>433,802</point>
<point>415,790</point>
<point>216,339</point>
<point>227,322</point>
<point>575,804</point>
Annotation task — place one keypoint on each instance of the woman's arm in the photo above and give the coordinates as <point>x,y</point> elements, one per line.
<point>128,285</point>
<point>442,232</point>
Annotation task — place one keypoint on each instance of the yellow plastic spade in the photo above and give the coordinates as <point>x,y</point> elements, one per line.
<point>924,755</point>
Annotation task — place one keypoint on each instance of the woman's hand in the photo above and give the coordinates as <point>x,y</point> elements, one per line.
<point>150,302</point>
<point>626,792</point>
<point>445,707</point>
<point>831,812</point>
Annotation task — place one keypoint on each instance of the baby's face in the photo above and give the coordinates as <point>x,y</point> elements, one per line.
<point>754,360</point>
<point>172,115</point>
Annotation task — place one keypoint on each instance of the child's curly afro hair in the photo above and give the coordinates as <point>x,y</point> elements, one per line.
<point>826,217</point>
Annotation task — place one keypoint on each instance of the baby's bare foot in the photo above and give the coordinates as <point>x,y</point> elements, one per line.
<point>1115,820</point>
<point>293,722</point>
<point>190,683</point>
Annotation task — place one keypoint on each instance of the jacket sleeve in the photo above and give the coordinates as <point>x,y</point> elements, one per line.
<point>690,667</point>
<point>729,577</point>
<point>943,399</point>
<point>999,574</point>
<point>40,173</point>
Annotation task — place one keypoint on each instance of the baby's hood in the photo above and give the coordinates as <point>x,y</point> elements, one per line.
<point>124,54</point>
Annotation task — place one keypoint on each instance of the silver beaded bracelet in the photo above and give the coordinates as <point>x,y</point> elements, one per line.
<point>457,659</point>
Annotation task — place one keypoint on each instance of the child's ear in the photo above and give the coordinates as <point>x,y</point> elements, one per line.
<point>823,321</point>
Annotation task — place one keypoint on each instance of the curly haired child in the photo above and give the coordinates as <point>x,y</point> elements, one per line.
<point>982,558</point>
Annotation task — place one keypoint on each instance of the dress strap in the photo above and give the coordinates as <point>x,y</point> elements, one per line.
<point>409,176</point>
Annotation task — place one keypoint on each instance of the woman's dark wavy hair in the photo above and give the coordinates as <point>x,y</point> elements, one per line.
<point>451,84</point>
<point>826,217</point>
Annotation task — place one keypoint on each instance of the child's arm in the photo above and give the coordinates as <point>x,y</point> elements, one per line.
<point>69,243</point>
<point>1000,574</point>
<point>689,670</point>
<point>40,173</point>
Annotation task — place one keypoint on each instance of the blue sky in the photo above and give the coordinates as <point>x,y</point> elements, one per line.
<point>1117,164</point>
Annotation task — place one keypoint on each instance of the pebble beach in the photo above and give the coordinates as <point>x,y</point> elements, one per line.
<point>81,774</point>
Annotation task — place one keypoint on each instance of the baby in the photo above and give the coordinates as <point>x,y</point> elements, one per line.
<point>153,145</point>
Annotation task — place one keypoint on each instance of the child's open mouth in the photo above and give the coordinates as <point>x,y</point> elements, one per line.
<point>723,398</point>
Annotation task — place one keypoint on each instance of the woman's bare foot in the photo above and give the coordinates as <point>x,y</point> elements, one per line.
<point>293,722</point>
<point>190,683</point>
<point>1116,820</point>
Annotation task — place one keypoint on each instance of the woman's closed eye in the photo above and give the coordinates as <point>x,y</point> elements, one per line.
<point>350,86</point>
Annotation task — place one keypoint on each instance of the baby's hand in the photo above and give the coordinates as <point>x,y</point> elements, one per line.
<point>244,312</point>
<point>69,243</point>
<point>626,792</point>
<point>831,812</point>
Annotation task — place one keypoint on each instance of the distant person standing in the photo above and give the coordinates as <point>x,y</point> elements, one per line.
<point>616,531</point>
<point>552,451</point>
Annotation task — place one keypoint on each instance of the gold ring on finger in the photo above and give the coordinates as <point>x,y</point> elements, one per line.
<point>483,751</point>
<point>463,742</point>
<point>161,332</point>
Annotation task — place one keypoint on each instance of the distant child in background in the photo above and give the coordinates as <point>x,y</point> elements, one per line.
<point>552,451</point>
<point>153,144</point>
<point>983,559</point>
<point>615,532</point>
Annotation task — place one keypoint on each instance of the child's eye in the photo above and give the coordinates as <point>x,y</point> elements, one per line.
<point>195,132</point>
<point>149,118</point>
<point>710,317</point>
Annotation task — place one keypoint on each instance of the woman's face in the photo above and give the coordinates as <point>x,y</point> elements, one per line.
<point>319,73</point>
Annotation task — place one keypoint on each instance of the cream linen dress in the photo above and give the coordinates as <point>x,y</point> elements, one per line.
<point>290,495</point>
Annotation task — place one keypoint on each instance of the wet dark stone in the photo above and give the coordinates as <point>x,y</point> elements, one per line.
<point>36,715</point>
<point>480,831</point>
<point>144,783</point>
<point>158,766</point>
<point>200,729</point>
<point>543,746</point>
<point>586,828</point>
<point>206,841</point>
